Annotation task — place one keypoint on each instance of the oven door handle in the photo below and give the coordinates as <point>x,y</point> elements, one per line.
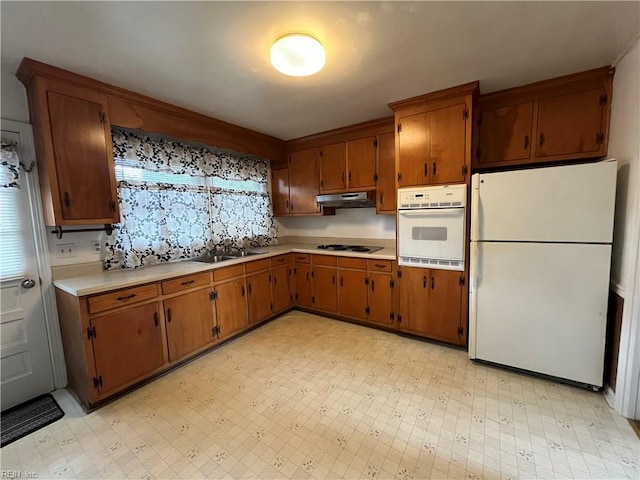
<point>433,212</point>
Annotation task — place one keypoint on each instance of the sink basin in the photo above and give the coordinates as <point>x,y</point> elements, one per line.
<point>212,258</point>
<point>241,254</point>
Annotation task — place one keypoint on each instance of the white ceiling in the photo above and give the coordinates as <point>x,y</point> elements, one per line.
<point>213,57</point>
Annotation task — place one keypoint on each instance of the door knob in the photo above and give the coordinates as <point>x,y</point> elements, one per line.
<point>28,283</point>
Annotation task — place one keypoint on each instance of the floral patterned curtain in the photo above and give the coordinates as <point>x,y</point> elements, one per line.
<point>9,165</point>
<point>172,205</point>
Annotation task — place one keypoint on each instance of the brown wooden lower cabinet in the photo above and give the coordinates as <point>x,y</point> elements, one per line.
<point>127,345</point>
<point>231,307</point>
<point>260,298</point>
<point>353,286</point>
<point>281,286</point>
<point>190,323</point>
<point>303,296</point>
<point>430,303</point>
<point>381,287</point>
<point>325,293</point>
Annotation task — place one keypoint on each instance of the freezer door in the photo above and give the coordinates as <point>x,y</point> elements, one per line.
<point>573,203</point>
<point>541,307</point>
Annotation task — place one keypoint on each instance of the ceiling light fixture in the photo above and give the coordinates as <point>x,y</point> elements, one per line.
<point>298,55</point>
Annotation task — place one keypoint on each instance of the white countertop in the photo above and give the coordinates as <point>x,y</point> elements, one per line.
<point>116,279</point>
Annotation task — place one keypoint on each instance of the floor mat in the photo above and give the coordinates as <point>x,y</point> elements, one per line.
<point>28,417</point>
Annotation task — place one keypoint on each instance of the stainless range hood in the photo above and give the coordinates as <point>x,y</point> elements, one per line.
<point>348,200</point>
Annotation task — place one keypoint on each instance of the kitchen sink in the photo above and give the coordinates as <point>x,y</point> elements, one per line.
<point>223,257</point>
<point>241,254</point>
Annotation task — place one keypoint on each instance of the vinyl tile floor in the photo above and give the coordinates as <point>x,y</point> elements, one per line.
<point>309,397</point>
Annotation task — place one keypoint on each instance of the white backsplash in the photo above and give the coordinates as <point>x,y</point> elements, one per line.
<point>346,223</point>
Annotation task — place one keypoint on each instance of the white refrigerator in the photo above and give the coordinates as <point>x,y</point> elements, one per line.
<point>539,272</point>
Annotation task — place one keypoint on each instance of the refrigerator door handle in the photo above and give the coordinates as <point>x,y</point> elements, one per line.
<point>473,298</point>
<point>475,207</point>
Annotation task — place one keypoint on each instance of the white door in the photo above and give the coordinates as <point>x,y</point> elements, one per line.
<point>25,368</point>
<point>572,203</point>
<point>541,307</point>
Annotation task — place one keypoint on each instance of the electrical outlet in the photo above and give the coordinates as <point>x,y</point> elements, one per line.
<point>96,247</point>
<point>66,250</point>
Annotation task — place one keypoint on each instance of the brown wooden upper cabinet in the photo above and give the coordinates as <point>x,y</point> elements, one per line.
<point>433,141</point>
<point>73,147</point>
<point>348,166</point>
<point>280,191</point>
<point>561,119</point>
<point>304,185</point>
<point>385,174</point>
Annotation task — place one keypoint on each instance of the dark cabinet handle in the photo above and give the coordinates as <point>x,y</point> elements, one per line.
<point>541,138</point>
<point>249,288</point>
<point>300,258</point>
<point>342,281</point>
<point>124,299</point>
<point>342,177</point>
<point>242,290</point>
<point>349,176</point>
<point>155,319</point>
<point>379,265</point>
<point>426,169</point>
<point>433,283</point>
<point>187,282</point>
<point>382,198</point>
<point>526,141</point>
<point>424,282</point>
<point>435,168</point>
<point>280,260</point>
<point>169,315</point>
<point>66,199</point>
<point>372,286</point>
<point>286,204</point>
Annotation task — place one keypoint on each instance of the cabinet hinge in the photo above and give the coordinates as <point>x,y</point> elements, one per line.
<point>465,170</point>
<point>479,122</point>
<point>216,331</point>
<point>465,113</point>
<point>366,280</point>
<point>461,281</point>
<point>91,332</point>
<point>392,316</point>
<point>103,117</point>
<point>112,206</point>
<point>603,99</point>
<point>399,127</point>
<point>366,311</point>
<point>399,176</point>
<point>460,331</point>
<point>271,306</point>
<point>392,283</point>
<point>295,271</point>
<point>478,152</point>
<point>313,299</point>
<point>599,138</point>
<point>399,274</point>
<point>375,143</point>
<point>320,152</point>
<point>399,318</point>
<point>312,275</point>
<point>213,296</point>
<point>322,183</point>
<point>375,177</point>
<point>97,382</point>
<point>289,158</point>
<point>296,297</point>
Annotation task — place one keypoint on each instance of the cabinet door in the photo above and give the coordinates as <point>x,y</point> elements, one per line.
<point>413,151</point>
<point>231,307</point>
<point>571,124</point>
<point>190,323</point>
<point>505,134</point>
<point>303,182</point>
<point>127,345</point>
<point>280,191</point>
<point>361,163</point>
<point>281,284</point>
<point>303,285</point>
<point>325,290</point>
<point>332,167</point>
<point>81,138</point>
<point>380,298</point>
<point>447,144</point>
<point>386,200</point>
<point>260,299</point>
<point>352,293</point>
<point>445,299</point>
<point>413,299</point>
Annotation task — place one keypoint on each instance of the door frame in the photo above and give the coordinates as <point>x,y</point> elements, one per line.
<point>27,149</point>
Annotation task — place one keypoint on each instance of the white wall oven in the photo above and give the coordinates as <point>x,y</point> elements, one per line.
<point>431,226</point>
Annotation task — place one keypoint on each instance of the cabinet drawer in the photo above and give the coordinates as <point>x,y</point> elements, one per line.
<point>302,258</point>
<point>228,272</point>
<point>182,283</point>
<point>380,265</point>
<point>346,262</point>
<point>258,265</point>
<point>120,298</point>
<point>327,260</point>
<point>280,260</point>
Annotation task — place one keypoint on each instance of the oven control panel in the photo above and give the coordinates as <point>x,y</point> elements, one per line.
<point>440,196</point>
